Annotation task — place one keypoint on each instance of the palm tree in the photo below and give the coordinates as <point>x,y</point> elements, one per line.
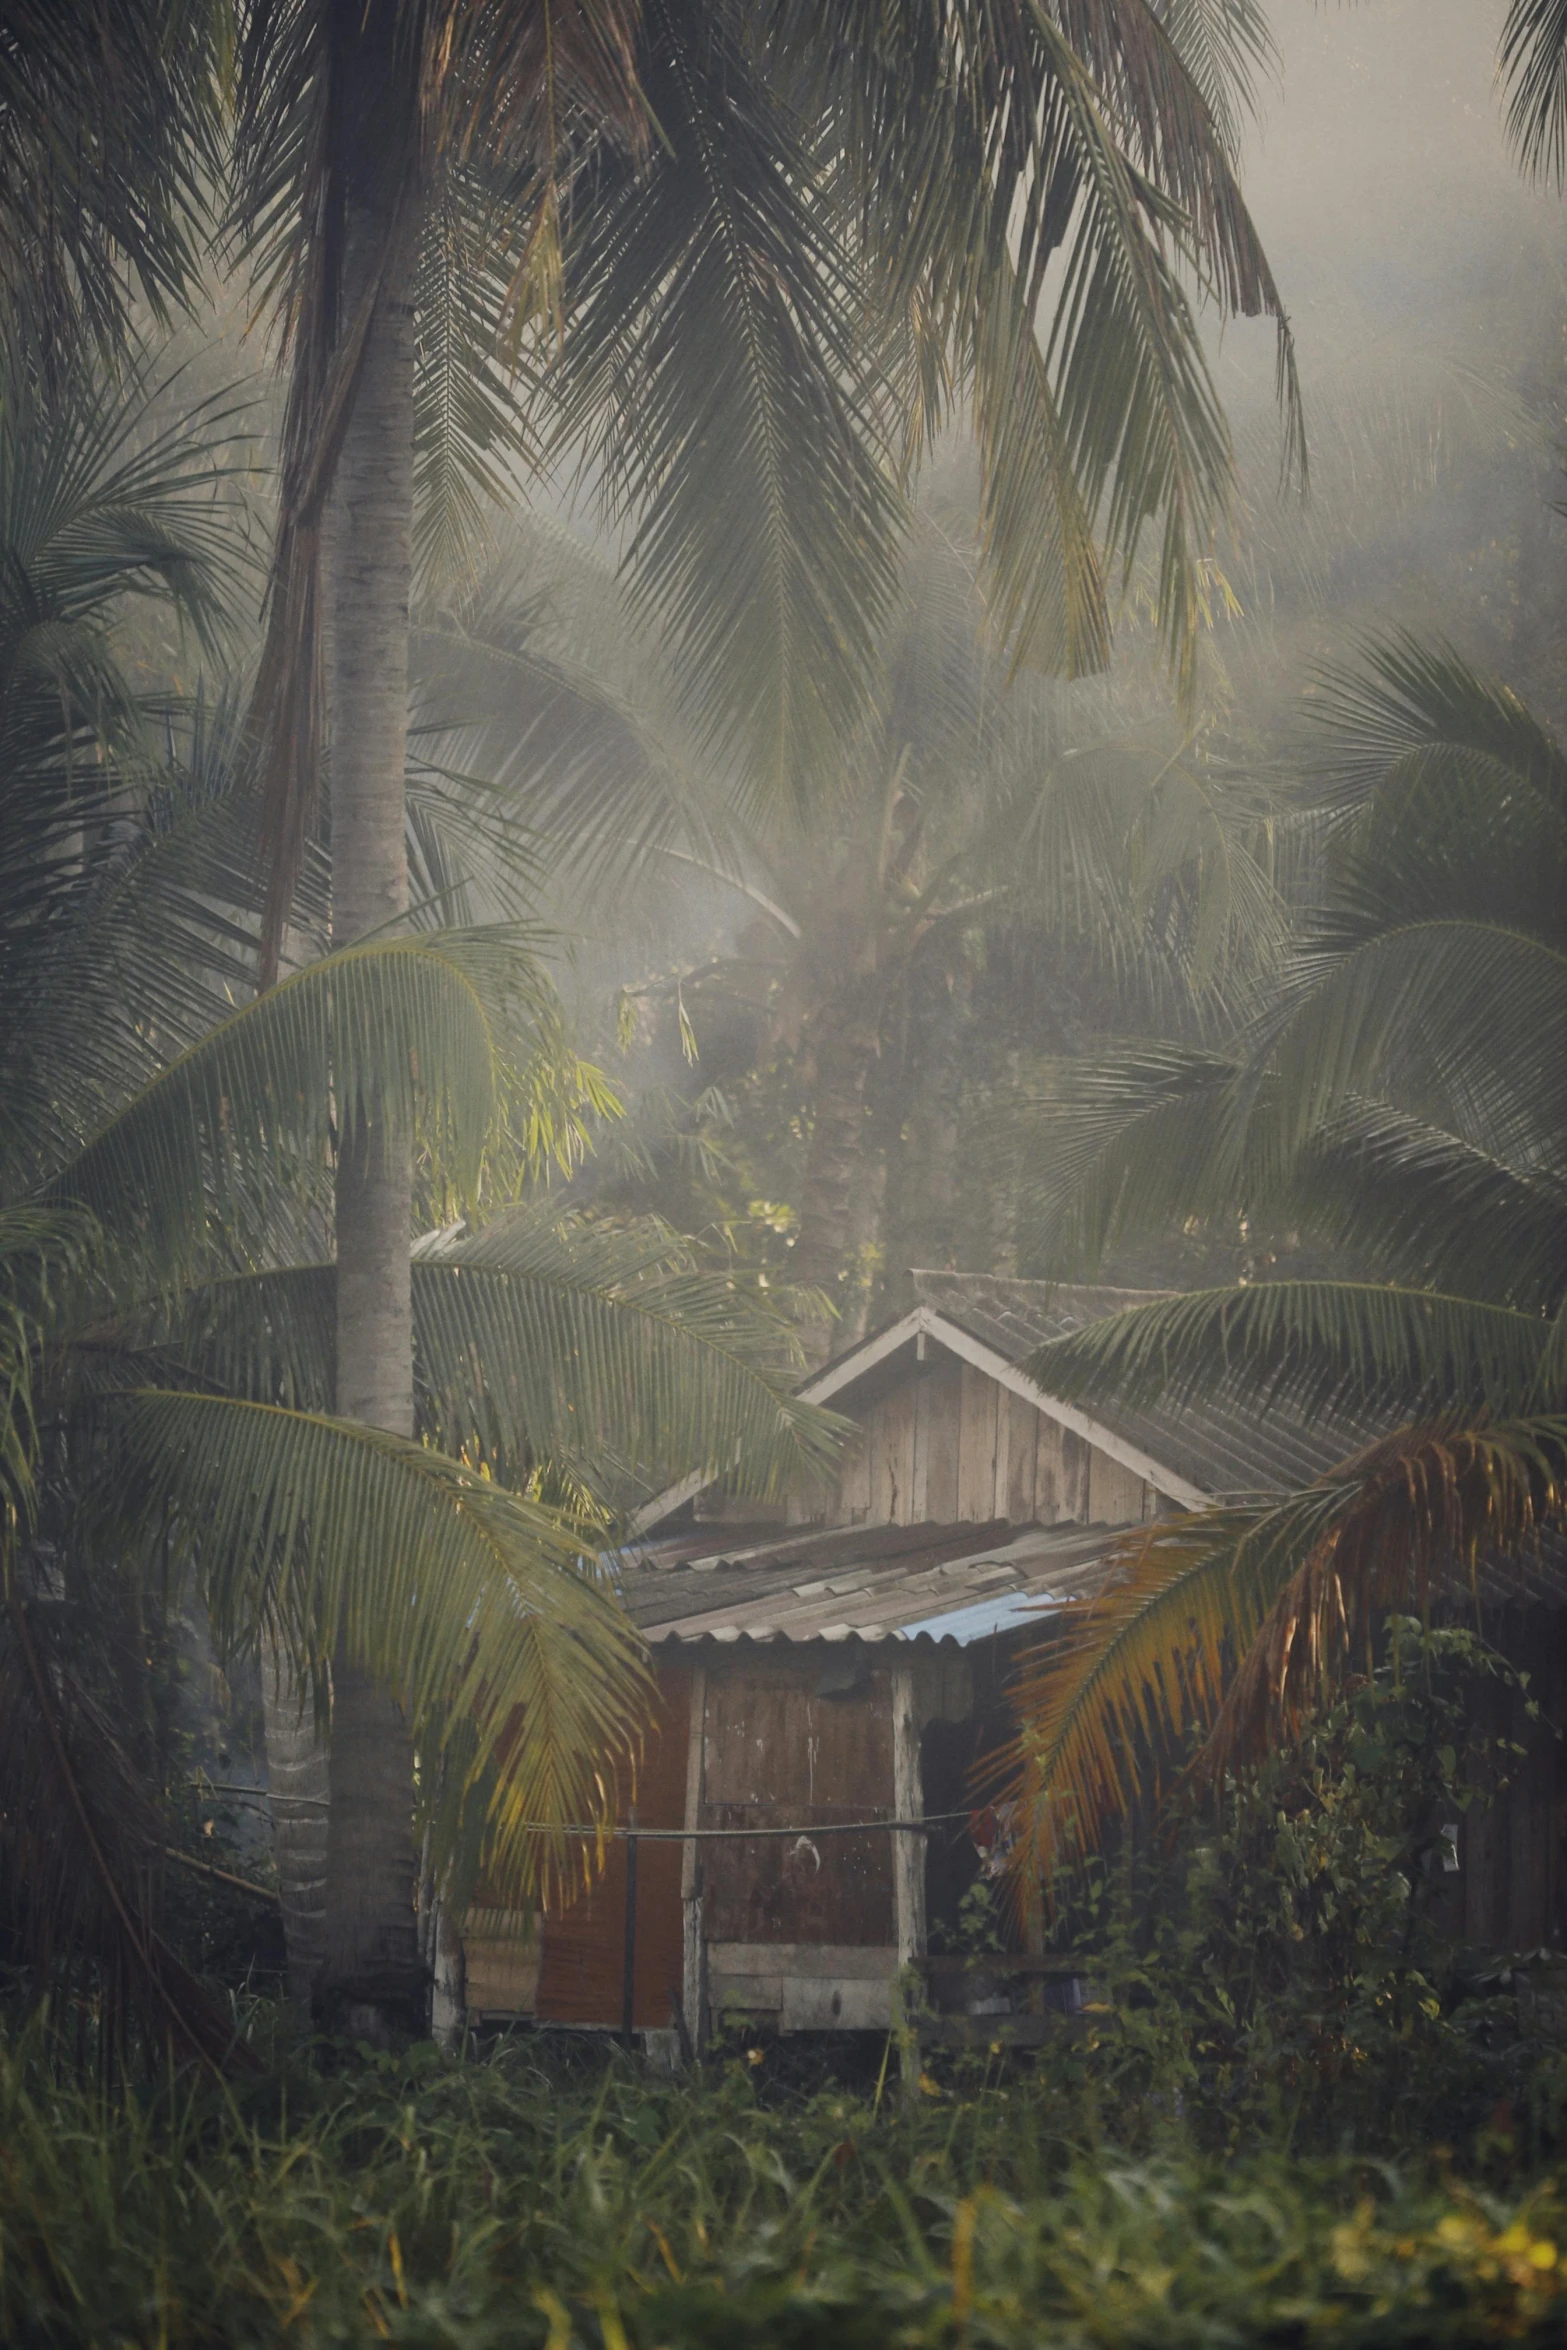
<point>715,238</point>
<point>166,1308</point>
<point>1400,1093</point>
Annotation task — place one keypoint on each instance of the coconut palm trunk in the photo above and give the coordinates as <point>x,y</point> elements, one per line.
<point>370,1978</point>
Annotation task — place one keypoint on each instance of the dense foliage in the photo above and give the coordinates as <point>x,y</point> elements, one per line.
<point>1290,1956</point>
<point>518,2201</point>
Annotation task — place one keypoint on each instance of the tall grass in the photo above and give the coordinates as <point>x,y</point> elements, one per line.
<point>517,2201</point>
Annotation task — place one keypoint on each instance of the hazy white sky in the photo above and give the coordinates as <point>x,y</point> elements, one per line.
<point>1386,195</point>
<point>1381,173</point>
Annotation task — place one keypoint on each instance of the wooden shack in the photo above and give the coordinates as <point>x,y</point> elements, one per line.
<point>831,1673</point>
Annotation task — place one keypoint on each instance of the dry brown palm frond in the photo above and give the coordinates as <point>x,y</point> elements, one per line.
<point>1432,1504</point>
<point>1230,1624</point>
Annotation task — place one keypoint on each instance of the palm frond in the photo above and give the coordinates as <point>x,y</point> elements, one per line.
<point>426,1026</point>
<point>1423,1206</point>
<point>37,1249</point>
<point>1453,1000</point>
<point>1403,696</point>
<point>545,1342</point>
<point>475,1607</point>
<point>1532,61</point>
<point>128,929</point>
<point>1123,1144</point>
<point>1429,1507</point>
<point>573,709</point>
<point>1318,1346</point>
<point>470,416</point>
<point>1107,1712</point>
<point>1070,150</point>
<point>1227,47</point>
<point>714,378</point>
<point>112,141</point>
<point>585,1343</point>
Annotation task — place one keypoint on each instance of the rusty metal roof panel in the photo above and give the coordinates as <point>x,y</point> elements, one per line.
<point>867,1583</point>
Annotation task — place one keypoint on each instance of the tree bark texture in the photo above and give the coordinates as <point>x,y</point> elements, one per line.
<point>371,1978</point>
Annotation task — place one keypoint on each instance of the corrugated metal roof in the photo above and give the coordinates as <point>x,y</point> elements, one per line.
<point>1227,1450</point>
<point>871,1583</point>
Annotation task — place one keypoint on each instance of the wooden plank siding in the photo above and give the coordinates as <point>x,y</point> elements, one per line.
<point>1115,1493</point>
<point>1511,1890</point>
<point>950,1445</point>
<point>777,1751</point>
<point>977,1399</point>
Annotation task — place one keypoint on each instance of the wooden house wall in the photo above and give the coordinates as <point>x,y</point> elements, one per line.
<point>775,1742</point>
<point>949,1444</point>
<point>582,1956</point>
<point>1510,1893</point>
<point>777,1750</point>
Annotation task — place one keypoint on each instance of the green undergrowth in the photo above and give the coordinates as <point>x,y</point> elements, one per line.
<point>526,2199</point>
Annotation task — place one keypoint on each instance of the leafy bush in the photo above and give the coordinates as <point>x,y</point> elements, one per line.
<point>527,2203</point>
<point>1289,1960</point>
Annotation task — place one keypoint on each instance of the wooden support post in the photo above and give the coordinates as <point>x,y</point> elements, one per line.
<point>908,1872</point>
<point>628,1977</point>
<point>694,1954</point>
<point>908,1803</point>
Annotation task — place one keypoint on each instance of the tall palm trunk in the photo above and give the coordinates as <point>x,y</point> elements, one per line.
<point>371,1979</point>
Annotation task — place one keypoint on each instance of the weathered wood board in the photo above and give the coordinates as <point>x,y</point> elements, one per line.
<point>777,1751</point>
<point>580,1975</point>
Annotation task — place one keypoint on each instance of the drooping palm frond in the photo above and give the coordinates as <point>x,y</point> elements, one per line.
<point>713,375</point>
<point>102,512</point>
<point>1532,59</point>
<point>543,1343</point>
<point>1432,1506</point>
<point>573,710</point>
<point>986,155</point>
<point>1227,47</point>
<point>1438,963</point>
<point>109,135</point>
<point>1228,1624</point>
<point>1368,1349</point>
<point>470,425</point>
<point>1426,994</point>
<point>36,1249</point>
<point>238,1126</point>
<point>1105,1710</point>
<point>476,1607</point>
<point>1123,1144</point>
<point>611,1345</point>
<point>1428,1208</point>
<point>98,511</point>
<point>1403,697</point>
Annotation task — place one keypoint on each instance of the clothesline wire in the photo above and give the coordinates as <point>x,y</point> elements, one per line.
<point>618,1830</point>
